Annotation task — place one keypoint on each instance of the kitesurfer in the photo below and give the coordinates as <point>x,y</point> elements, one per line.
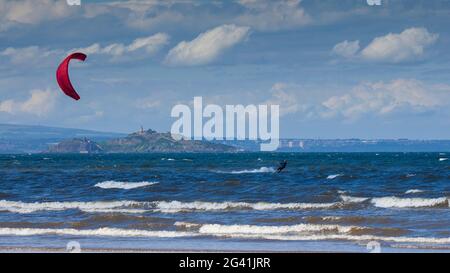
<point>282,166</point>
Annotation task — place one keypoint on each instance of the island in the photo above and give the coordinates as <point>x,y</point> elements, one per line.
<point>148,141</point>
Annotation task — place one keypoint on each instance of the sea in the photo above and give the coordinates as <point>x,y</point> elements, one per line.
<point>321,202</point>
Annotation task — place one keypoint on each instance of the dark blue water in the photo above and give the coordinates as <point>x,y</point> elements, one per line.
<point>334,201</point>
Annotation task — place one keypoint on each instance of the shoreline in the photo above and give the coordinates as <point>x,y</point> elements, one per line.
<point>135,250</point>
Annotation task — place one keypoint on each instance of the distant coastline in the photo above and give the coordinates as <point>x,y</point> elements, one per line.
<point>17,139</point>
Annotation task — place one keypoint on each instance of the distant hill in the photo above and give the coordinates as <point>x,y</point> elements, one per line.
<point>33,139</point>
<point>140,142</point>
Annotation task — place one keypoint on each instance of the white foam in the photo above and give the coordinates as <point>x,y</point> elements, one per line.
<point>186,224</point>
<point>413,191</point>
<point>177,206</point>
<point>333,176</point>
<point>443,159</point>
<point>111,206</point>
<point>260,170</point>
<point>300,232</point>
<point>162,206</point>
<point>346,237</point>
<point>113,232</point>
<point>396,202</point>
<point>96,210</point>
<point>123,185</point>
<point>307,232</point>
<point>216,229</point>
<point>331,218</point>
<point>352,199</point>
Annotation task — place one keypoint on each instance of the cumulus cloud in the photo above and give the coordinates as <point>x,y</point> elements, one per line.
<point>134,13</point>
<point>287,100</point>
<point>371,98</point>
<point>141,14</point>
<point>40,103</point>
<point>346,49</point>
<point>273,15</point>
<point>408,45</point>
<point>383,98</point>
<point>42,56</point>
<point>263,15</point>
<point>31,11</point>
<point>149,44</point>
<point>31,55</point>
<point>207,46</point>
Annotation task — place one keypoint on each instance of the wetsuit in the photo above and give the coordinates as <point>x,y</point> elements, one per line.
<point>282,166</point>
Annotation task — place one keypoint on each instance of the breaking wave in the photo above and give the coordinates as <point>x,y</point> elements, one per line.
<point>111,206</point>
<point>333,176</point>
<point>195,206</point>
<point>413,191</point>
<point>177,206</point>
<point>344,237</point>
<point>123,185</point>
<point>253,229</point>
<point>396,202</point>
<point>305,232</point>
<point>114,232</point>
<point>301,232</point>
<point>352,199</point>
<point>162,206</point>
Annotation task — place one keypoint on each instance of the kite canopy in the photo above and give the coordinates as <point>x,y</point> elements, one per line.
<point>62,75</point>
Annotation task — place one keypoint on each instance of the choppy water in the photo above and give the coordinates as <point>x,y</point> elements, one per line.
<point>335,201</point>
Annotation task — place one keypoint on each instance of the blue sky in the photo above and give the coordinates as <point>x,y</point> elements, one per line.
<point>338,69</point>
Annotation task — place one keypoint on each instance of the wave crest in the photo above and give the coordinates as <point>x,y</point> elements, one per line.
<point>333,176</point>
<point>396,202</point>
<point>260,230</point>
<point>300,232</point>
<point>107,206</point>
<point>177,206</point>
<point>260,170</point>
<point>413,191</point>
<point>123,185</point>
<point>114,232</point>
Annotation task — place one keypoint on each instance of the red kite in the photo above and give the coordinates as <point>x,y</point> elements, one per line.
<point>62,75</point>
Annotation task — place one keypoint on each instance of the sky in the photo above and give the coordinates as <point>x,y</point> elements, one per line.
<point>338,69</point>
